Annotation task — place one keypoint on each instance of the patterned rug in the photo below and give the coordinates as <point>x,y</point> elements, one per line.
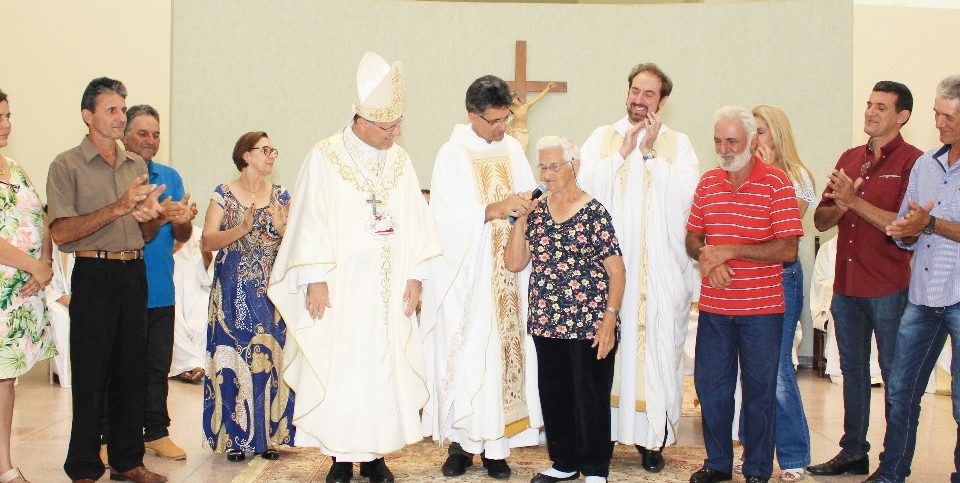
<point>421,463</point>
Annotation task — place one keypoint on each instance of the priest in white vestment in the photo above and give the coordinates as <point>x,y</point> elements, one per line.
<point>192,277</point>
<point>645,174</point>
<point>345,281</point>
<point>483,378</point>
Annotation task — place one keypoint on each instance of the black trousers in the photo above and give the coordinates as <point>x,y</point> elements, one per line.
<point>108,320</point>
<point>575,399</point>
<point>159,353</point>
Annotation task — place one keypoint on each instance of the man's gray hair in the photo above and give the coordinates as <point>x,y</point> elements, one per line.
<point>570,150</point>
<point>949,88</point>
<point>741,113</point>
<point>140,110</point>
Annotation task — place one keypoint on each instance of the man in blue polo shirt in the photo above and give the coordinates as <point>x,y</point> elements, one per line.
<point>929,224</point>
<point>142,136</point>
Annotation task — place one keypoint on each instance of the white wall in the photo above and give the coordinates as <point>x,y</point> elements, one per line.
<point>52,49</point>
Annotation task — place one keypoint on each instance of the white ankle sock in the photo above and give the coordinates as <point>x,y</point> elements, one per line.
<point>595,479</point>
<point>557,473</point>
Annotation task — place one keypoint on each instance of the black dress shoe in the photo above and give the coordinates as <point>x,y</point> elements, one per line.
<point>757,479</point>
<point>707,475</point>
<point>270,454</point>
<point>456,464</point>
<point>840,465</point>
<point>377,471</point>
<point>496,468</point>
<point>542,478</point>
<point>340,472</point>
<point>234,455</point>
<point>875,477</point>
<point>651,459</point>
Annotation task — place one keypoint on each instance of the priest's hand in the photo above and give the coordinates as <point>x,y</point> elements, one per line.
<point>411,296</point>
<point>720,276</point>
<point>711,256</point>
<point>606,335</point>
<point>651,128</point>
<point>630,139</point>
<point>318,299</point>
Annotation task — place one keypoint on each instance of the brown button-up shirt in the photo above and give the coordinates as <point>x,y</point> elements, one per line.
<point>80,182</point>
<point>869,263</point>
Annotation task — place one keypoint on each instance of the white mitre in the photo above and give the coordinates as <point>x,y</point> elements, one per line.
<point>379,97</point>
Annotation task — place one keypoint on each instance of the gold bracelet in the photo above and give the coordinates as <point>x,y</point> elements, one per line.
<point>613,310</point>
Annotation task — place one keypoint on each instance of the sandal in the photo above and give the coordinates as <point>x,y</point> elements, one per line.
<point>12,475</point>
<point>793,474</point>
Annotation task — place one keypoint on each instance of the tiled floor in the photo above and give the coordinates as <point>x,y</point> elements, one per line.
<point>41,430</point>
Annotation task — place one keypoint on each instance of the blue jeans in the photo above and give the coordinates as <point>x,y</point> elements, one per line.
<point>792,436</point>
<point>856,318</point>
<point>923,331</point>
<point>722,341</point>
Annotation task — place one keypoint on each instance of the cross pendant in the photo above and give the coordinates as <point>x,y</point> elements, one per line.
<point>374,202</point>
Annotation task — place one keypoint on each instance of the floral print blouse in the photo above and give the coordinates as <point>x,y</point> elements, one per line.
<point>568,283</point>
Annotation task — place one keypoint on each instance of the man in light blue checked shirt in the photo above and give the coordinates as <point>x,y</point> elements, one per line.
<point>928,224</point>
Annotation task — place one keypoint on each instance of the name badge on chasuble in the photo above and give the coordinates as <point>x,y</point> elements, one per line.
<point>666,147</point>
<point>493,178</point>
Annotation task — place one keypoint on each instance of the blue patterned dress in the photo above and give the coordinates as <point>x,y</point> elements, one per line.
<point>246,405</point>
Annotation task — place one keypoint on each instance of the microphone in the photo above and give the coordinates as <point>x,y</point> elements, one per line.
<point>537,193</point>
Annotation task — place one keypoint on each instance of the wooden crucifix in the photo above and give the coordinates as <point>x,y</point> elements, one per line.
<point>520,85</point>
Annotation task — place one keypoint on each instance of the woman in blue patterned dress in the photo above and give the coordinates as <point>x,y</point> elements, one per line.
<point>576,287</point>
<point>25,268</point>
<point>246,404</point>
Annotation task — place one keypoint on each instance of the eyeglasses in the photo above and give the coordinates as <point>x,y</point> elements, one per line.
<point>267,150</point>
<point>865,168</point>
<point>386,129</point>
<point>13,187</point>
<point>494,122</point>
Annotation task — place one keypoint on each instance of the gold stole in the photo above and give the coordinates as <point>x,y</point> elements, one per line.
<point>666,147</point>
<point>493,178</point>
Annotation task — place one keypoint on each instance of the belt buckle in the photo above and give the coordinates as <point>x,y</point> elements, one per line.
<point>132,253</point>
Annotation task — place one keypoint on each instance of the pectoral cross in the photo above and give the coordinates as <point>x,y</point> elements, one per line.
<point>374,202</point>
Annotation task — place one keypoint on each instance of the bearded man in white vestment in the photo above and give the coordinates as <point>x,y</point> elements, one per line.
<point>345,282</point>
<point>483,377</point>
<point>645,174</point>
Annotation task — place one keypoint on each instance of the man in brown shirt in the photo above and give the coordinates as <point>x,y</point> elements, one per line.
<point>872,273</point>
<point>99,207</point>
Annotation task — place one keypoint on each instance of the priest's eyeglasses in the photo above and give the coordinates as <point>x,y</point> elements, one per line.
<point>388,129</point>
<point>494,122</point>
<point>267,150</point>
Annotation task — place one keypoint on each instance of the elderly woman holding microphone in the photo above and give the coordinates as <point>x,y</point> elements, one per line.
<point>576,287</point>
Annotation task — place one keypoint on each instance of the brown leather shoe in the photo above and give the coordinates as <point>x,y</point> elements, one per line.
<point>137,475</point>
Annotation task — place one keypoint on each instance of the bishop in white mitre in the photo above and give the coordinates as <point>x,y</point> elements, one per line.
<point>483,372</point>
<point>346,283</point>
<point>645,174</point>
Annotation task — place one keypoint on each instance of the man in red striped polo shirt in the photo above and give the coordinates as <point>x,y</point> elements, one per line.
<point>744,223</point>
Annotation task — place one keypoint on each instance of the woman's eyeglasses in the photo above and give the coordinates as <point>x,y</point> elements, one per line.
<point>267,150</point>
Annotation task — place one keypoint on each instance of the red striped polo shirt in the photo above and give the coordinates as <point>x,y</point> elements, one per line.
<point>762,209</point>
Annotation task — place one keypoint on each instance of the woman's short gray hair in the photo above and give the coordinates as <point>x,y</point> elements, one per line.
<point>743,114</point>
<point>949,88</point>
<point>571,152</point>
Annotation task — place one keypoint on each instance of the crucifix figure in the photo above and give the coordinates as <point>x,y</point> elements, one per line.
<point>520,87</point>
<point>373,203</point>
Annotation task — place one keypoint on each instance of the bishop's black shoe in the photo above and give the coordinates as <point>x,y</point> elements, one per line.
<point>651,459</point>
<point>841,465</point>
<point>340,472</point>
<point>377,471</point>
<point>496,468</point>
<point>542,478</point>
<point>456,464</point>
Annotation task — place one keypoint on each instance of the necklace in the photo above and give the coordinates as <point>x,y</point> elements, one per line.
<point>380,222</point>
<point>253,193</point>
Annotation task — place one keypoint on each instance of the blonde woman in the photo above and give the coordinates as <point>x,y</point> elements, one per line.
<point>777,148</point>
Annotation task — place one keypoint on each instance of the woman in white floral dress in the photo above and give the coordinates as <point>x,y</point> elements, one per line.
<point>24,271</point>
